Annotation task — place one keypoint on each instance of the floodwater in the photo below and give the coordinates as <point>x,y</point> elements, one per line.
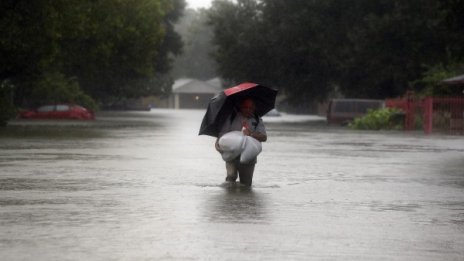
<point>144,186</point>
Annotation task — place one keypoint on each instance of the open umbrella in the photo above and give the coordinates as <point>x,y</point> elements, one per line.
<point>222,105</point>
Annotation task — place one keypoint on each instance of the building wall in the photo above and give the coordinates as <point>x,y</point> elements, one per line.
<point>155,102</point>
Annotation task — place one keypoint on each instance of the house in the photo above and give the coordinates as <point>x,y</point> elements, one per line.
<point>457,80</point>
<point>192,94</point>
<point>216,82</point>
<point>455,84</point>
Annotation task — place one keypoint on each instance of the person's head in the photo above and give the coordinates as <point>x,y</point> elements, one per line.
<point>247,107</point>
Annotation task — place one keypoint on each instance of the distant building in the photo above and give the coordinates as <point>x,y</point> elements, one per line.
<point>192,94</point>
<point>456,84</point>
<point>457,80</point>
<point>216,82</point>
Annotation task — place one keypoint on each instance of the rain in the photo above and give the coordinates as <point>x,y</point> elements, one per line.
<point>104,154</point>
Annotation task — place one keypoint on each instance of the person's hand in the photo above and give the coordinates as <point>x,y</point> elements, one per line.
<point>216,145</point>
<point>246,132</point>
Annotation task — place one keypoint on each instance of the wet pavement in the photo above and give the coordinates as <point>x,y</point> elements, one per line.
<point>144,186</point>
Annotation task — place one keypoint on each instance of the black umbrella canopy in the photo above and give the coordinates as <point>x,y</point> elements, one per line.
<point>222,105</point>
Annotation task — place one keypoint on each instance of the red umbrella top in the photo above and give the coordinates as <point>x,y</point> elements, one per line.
<point>239,88</point>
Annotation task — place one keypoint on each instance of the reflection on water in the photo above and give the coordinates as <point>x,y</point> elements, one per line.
<point>236,204</point>
<point>131,186</point>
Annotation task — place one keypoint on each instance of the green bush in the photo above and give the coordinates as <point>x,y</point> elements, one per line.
<point>57,88</point>
<point>379,119</point>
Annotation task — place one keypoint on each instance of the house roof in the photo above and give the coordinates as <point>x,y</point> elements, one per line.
<point>215,82</point>
<point>457,80</point>
<point>186,85</point>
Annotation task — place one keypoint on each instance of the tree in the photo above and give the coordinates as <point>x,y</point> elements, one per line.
<point>109,48</point>
<point>364,48</point>
<point>389,44</point>
<point>54,87</point>
<point>28,45</point>
<point>235,28</point>
<point>127,47</point>
<point>431,80</point>
<point>196,60</point>
<point>7,109</point>
<point>298,33</point>
<point>278,43</point>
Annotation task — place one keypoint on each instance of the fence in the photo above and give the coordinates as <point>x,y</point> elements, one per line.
<point>432,114</point>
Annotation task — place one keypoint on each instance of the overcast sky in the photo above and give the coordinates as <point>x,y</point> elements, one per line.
<point>199,3</point>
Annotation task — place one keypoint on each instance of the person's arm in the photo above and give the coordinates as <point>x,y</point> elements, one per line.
<point>257,135</point>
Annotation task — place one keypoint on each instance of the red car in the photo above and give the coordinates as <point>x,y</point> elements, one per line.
<point>59,111</point>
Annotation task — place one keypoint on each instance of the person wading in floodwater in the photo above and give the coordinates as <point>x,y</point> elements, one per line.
<point>250,124</point>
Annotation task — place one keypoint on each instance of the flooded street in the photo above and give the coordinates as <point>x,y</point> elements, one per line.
<point>145,186</point>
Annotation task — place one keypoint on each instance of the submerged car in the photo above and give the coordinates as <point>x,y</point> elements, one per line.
<point>58,111</point>
<point>342,111</point>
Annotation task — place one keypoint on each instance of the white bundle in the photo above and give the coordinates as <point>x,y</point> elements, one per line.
<point>235,143</point>
<point>251,151</point>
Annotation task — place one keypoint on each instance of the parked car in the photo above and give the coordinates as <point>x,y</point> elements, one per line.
<point>342,111</point>
<point>58,111</point>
